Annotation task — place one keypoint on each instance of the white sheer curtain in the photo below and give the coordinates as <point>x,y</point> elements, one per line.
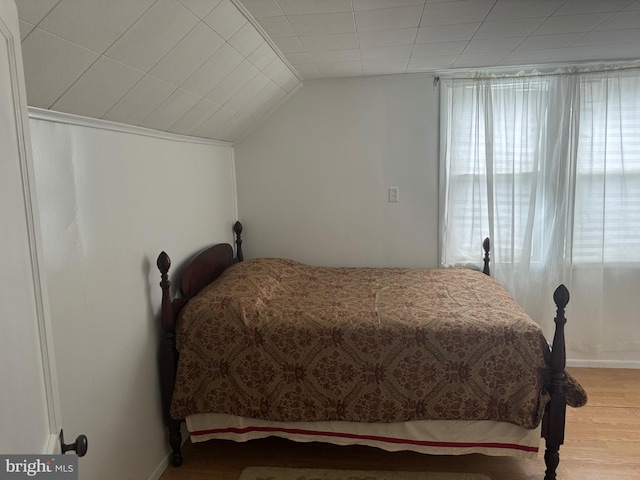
<point>548,166</point>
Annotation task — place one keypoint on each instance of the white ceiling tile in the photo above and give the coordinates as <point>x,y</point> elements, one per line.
<point>246,93</point>
<point>375,53</point>
<point>98,89</point>
<point>323,24</point>
<point>263,8</point>
<point>621,21</point>
<point>262,56</point>
<point>451,13</point>
<point>33,11</point>
<point>273,94</point>
<point>25,29</point>
<point>209,128</point>
<point>195,117</point>
<point>576,7</point>
<point>221,64</point>
<point>516,27</point>
<point>336,56</point>
<point>291,83</point>
<point>246,40</point>
<point>376,4</point>
<point>598,53</point>
<point>175,106</point>
<point>297,58</point>
<point>446,33</point>
<point>191,52</point>
<point>571,23</point>
<point>153,35</point>
<point>200,8</point>
<point>289,44</point>
<point>274,67</point>
<point>302,7</point>
<point>528,57</point>
<point>423,64</point>
<point>51,65</point>
<point>479,60</point>
<point>225,19</point>
<point>387,38</point>
<point>268,97</point>
<point>230,130</point>
<point>349,69</point>
<point>277,27</point>
<point>493,45</point>
<point>140,101</point>
<point>438,49</point>
<point>94,24</point>
<point>276,70</point>
<point>608,37</point>
<point>386,64</point>
<point>314,76</point>
<point>389,18</point>
<point>232,83</point>
<point>339,41</point>
<point>510,9</point>
<point>546,42</point>
<point>307,70</point>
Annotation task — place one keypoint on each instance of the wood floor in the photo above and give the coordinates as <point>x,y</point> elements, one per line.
<point>602,443</point>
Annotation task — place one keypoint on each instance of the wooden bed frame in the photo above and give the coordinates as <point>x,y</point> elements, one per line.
<point>205,267</point>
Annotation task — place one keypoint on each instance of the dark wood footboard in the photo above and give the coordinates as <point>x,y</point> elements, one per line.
<point>553,422</point>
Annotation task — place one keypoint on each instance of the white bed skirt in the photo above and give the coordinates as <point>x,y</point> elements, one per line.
<point>434,437</point>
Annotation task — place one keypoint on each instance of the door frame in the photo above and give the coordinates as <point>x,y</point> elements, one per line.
<point>11,35</point>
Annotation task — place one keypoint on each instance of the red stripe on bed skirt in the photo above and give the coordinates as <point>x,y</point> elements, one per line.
<point>423,443</point>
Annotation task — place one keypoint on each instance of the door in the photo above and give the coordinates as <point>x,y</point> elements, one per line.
<point>29,405</point>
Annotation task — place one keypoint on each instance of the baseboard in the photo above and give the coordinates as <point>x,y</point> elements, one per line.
<point>603,363</point>
<point>157,473</point>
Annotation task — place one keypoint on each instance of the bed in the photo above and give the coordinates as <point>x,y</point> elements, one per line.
<point>438,361</point>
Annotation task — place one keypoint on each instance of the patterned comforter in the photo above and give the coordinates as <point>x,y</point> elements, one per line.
<point>279,340</point>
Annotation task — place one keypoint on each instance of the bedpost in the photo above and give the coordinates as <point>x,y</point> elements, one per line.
<point>554,418</point>
<point>168,360</point>
<point>486,246</point>
<point>237,229</point>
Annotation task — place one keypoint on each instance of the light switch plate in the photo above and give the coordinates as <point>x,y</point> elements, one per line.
<point>394,194</point>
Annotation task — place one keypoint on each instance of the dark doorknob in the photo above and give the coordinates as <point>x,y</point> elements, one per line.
<point>80,446</point>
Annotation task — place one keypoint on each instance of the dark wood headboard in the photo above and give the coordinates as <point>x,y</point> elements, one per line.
<point>203,269</point>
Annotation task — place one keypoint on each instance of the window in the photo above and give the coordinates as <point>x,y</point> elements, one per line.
<point>546,165</point>
<point>607,198</point>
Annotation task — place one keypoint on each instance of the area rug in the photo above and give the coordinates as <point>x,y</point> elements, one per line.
<point>281,473</point>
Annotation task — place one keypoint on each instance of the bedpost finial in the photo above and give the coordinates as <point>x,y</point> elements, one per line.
<point>561,296</point>
<point>237,229</point>
<point>164,262</point>
<point>486,246</point>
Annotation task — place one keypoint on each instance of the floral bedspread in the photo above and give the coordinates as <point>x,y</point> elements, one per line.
<point>283,341</point>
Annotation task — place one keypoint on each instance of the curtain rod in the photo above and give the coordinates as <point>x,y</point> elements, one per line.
<point>569,70</point>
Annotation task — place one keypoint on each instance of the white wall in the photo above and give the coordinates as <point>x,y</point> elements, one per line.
<point>313,178</point>
<point>109,203</point>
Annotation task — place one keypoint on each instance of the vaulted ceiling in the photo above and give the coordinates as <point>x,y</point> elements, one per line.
<point>213,68</point>
<point>192,67</point>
